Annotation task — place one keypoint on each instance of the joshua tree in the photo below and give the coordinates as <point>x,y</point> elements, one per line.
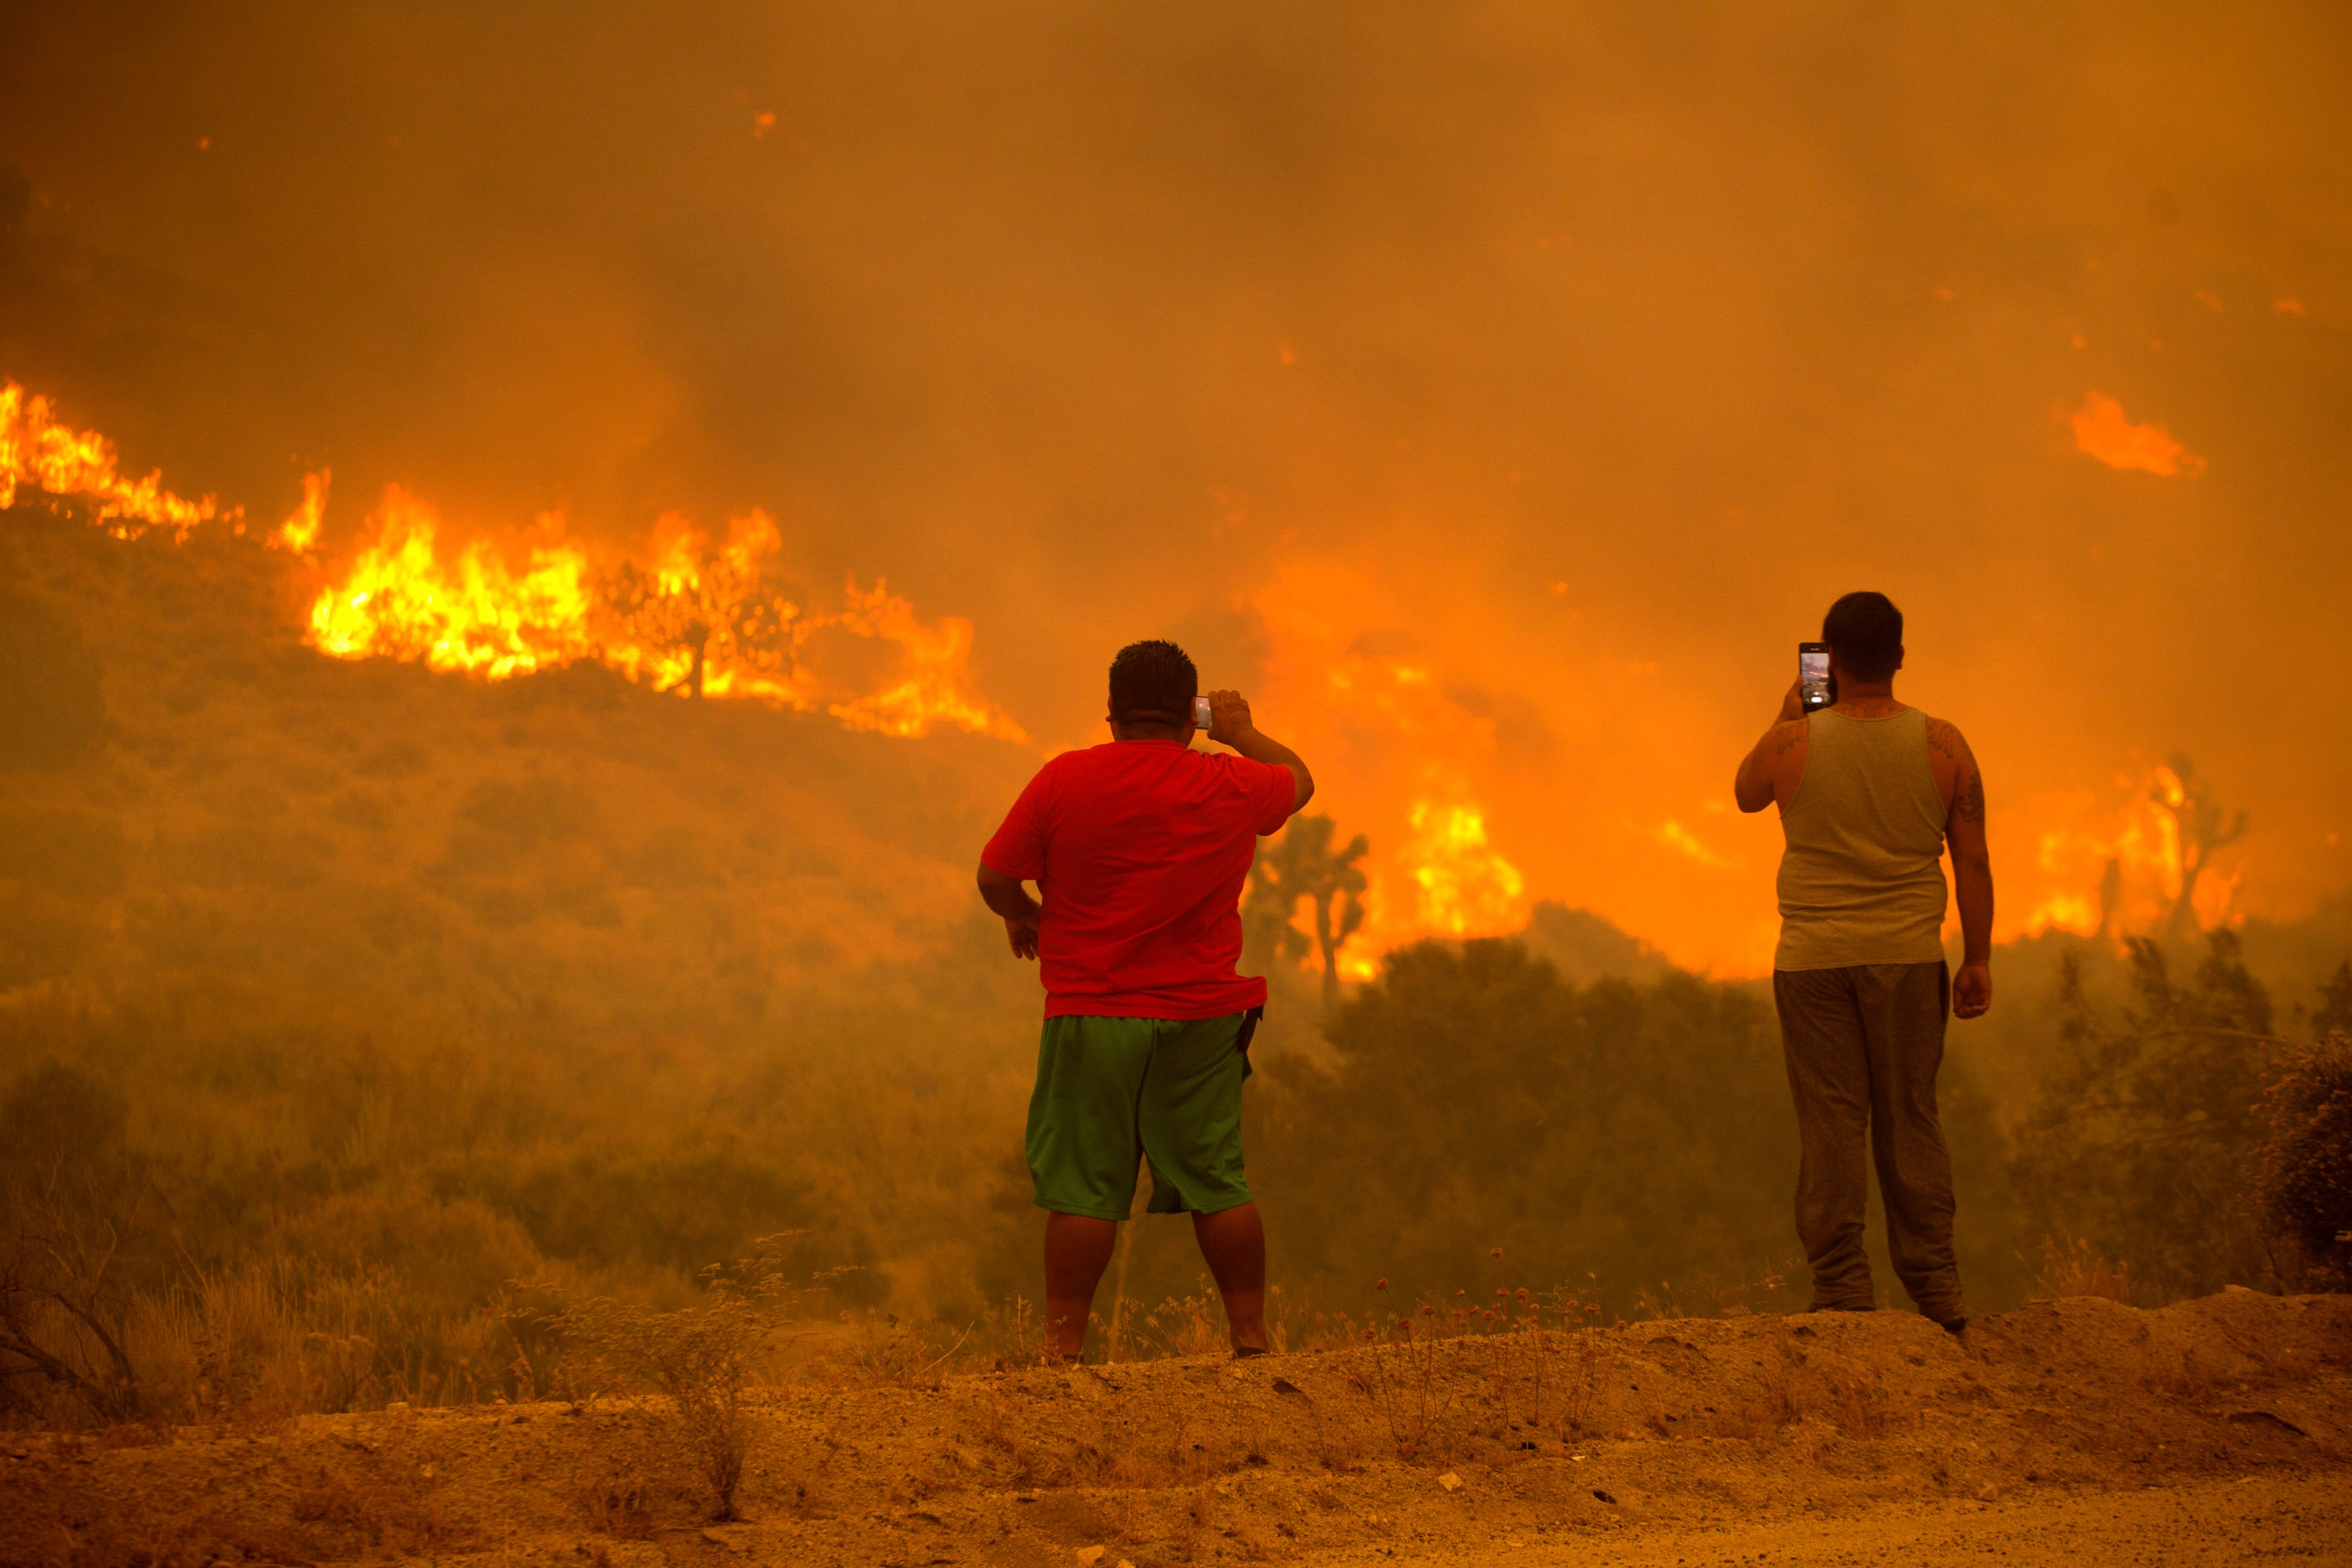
<point>2202,827</point>
<point>1303,865</point>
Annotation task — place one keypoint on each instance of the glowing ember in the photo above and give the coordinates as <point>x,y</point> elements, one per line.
<point>35,450</point>
<point>2101,430</point>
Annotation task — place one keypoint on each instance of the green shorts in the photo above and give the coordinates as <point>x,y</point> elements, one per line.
<point>1110,1090</point>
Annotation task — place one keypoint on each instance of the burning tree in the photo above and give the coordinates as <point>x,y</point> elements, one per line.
<point>689,608</point>
<point>2202,827</point>
<point>1302,864</point>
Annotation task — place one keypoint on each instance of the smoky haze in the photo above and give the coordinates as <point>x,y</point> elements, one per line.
<point>1554,366</point>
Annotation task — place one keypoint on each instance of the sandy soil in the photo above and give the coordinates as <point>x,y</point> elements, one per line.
<point>2216,1431</point>
<point>2249,1518</point>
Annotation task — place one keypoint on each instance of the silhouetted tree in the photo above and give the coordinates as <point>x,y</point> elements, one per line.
<point>2203,828</point>
<point>1302,864</point>
<point>730,613</point>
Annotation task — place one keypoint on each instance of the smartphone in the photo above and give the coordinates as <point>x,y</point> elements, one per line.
<point>1817,686</point>
<point>1200,713</point>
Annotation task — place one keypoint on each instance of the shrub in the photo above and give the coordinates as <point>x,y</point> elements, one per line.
<point>2137,1147</point>
<point>701,1357</point>
<point>2306,1165</point>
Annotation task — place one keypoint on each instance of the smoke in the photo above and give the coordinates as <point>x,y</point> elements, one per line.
<point>1572,358</point>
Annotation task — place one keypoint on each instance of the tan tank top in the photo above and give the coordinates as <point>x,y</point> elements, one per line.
<point>1863,878</point>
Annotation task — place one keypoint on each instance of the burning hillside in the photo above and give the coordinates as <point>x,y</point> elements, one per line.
<point>674,610</point>
<point>37,451</point>
<point>681,610</point>
<point>1410,749</point>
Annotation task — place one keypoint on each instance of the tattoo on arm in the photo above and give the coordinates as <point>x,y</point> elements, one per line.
<point>1788,735</point>
<point>1969,800</point>
<point>1946,739</point>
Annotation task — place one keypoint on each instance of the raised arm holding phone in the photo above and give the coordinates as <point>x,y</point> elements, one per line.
<point>1871,794</point>
<point>1140,850</point>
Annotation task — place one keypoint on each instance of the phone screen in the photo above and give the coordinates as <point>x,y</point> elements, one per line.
<point>1813,674</point>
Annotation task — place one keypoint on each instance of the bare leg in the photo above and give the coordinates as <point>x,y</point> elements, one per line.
<point>1078,1248</point>
<point>1234,1242</point>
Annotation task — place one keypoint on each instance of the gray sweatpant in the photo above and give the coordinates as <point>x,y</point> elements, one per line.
<point>1863,1046</point>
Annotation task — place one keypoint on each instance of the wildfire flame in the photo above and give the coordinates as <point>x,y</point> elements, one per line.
<point>2102,430</point>
<point>35,449</point>
<point>676,611</point>
<point>2118,870</point>
<point>1361,700</point>
<point>299,531</point>
<point>1461,886</point>
<point>474,612</point>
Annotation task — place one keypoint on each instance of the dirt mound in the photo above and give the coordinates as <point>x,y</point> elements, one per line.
<point>1643,1432</point>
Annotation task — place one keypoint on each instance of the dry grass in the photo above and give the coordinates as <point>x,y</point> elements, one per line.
<point>2075,1268</point>
<point>703,1358</point>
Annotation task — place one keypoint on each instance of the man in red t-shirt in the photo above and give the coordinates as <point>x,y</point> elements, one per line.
<point>1140,849</point>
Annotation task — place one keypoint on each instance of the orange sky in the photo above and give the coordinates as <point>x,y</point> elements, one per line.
<point>1500,392</point>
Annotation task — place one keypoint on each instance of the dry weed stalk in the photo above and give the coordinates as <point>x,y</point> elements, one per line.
<point>1402,1380</point>
<point>880,1349</point>
<point>701,1357</point>
<point>2075,1268</point>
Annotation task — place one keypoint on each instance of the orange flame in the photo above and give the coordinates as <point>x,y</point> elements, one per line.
<point>1361,696</point>
<point>1461,886</point>
<point>2118,870</point>
<point>299,531</point>
<point>474,613</point>
<point>676,613</point>
<point>2101,430</point>
<point>930,688</point>
<point>35,449</point>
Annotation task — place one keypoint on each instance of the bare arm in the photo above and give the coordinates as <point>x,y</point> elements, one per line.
<point>1009,897</point>
<point>1964,836</point>
<point>1229,720</point>
<point>1757,782</point>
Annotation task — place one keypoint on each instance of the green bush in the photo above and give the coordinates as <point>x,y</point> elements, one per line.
<point>2306,1165</point>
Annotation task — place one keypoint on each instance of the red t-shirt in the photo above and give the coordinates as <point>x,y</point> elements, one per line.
<point>1140,848</point>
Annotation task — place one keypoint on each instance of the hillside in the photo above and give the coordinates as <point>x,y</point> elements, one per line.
<point>196,789</point>
<point>335,980</point>
<point>2214,1431</point>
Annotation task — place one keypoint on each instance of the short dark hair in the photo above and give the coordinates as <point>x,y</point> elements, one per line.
<point>1865,631</point>
<point>1153,679</point>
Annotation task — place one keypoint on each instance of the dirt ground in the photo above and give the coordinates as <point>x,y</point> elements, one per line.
<point>2214,1431</point>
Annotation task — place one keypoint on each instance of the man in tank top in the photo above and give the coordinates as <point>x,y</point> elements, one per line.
<point>1870,794</point>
